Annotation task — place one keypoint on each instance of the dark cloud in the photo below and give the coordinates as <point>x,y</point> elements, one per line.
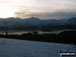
<point>57,9</point>
<point>49,15</point>
<point>61,14</point>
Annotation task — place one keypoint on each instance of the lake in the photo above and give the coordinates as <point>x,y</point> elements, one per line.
<point>19,32</point>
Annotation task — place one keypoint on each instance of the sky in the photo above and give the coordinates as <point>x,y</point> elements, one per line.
<point>43,9</point>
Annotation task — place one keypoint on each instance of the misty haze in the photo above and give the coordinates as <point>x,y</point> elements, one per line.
<point>37,28</point>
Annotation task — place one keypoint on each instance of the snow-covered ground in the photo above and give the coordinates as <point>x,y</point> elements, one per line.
<point>23,48</point>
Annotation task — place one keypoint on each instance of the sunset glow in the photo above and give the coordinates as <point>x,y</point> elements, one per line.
<point>6,11</point>
<point>43,9</point>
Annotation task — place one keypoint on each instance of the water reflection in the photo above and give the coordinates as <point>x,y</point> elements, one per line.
<point>19,32</point>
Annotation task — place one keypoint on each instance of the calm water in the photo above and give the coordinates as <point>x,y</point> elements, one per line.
<point>22,32</point>
<point>22,48</point>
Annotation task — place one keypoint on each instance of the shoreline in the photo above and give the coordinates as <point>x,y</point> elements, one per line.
<point>67,37</point>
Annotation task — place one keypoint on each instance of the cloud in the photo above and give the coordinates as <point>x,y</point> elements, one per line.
<point>47,9</point>
<point>44,9</point>
<point>49,15</point>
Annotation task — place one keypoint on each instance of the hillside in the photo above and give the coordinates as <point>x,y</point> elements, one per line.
<point>34,23</point>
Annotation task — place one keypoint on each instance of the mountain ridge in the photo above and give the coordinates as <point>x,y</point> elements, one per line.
<point>35,22</point>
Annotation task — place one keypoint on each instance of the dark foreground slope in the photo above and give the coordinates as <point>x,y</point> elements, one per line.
<point>63,37</point>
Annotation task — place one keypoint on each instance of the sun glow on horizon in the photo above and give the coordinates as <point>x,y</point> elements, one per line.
<point>43,9</point>
<point>6,11</point>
